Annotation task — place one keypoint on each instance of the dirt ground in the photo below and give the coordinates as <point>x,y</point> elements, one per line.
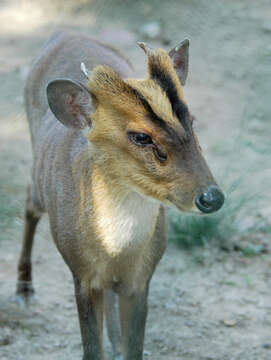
<point>205,303</point>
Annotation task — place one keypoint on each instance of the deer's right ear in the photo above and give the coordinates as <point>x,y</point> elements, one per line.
<point>70,102</point>
<point>179,56</point>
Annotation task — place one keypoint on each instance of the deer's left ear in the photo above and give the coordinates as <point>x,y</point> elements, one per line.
<point>180,56</point>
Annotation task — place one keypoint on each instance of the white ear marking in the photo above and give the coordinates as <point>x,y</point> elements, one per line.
<point>84,70</point>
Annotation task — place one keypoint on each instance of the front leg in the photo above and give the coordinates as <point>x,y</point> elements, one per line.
<point>90,311</point>
<point>134,308</point>
<point>133,314</point>
<point>112,321</point>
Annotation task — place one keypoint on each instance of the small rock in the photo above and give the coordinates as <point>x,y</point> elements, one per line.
<point>24,70</point>
<point>147,353</point>
<point>266,27</point>
<point>268,50</point>
<point>69,306</point>
<point>19,100</point>
<point>229,322</point>
<point>151,30</point>
<point>5,337</point>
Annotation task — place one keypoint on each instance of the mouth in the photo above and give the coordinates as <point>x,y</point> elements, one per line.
<point>208,201</point>
<point>193,210</point>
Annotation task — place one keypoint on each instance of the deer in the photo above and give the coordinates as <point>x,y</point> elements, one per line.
<point>111,153</point>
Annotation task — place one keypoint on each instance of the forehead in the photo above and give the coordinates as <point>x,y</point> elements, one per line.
<point>158,98</point>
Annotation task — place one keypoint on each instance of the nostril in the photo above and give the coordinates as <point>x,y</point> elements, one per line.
<point>203,201</point>
<point>211,200</point>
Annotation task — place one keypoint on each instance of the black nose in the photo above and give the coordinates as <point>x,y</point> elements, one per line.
<point>211,200</point>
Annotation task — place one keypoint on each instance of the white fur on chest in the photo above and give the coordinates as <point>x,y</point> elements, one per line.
<point>127,225</point>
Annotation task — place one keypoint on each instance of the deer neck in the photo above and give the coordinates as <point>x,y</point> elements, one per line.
<point>123,219</point>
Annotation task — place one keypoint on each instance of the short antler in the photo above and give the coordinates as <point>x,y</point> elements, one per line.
<point>147,49</point>
<point>85,71</point>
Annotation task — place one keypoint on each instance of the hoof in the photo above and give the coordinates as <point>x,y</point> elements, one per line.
<point>25,294</point>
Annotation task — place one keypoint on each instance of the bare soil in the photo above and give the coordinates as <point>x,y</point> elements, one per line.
<point>205,303</point>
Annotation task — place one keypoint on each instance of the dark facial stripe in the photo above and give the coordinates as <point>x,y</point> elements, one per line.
<point>151,114</point>
<point>155,118</point>
<point>167,84</point>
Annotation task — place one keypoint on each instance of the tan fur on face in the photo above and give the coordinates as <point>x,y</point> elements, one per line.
<point>110,90</point>
<point>161,60</point>
<point>119,109</point>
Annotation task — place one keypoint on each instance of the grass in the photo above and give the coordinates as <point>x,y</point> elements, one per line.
<point>12,195</point>
<point>10,208</point>
<point>194,230</point>
<point>246,157</point>
<point>8,211</point>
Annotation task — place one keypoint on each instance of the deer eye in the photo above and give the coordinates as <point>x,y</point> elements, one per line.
<point>140,138</point>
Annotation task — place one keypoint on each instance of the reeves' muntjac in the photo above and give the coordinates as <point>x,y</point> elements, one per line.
<point>110,152</point>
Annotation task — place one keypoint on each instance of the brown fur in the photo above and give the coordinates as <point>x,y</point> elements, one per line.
<point>103,193</point>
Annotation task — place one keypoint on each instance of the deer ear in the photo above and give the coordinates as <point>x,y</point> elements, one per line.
<point>179,56</point>
<point>70,102</point>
